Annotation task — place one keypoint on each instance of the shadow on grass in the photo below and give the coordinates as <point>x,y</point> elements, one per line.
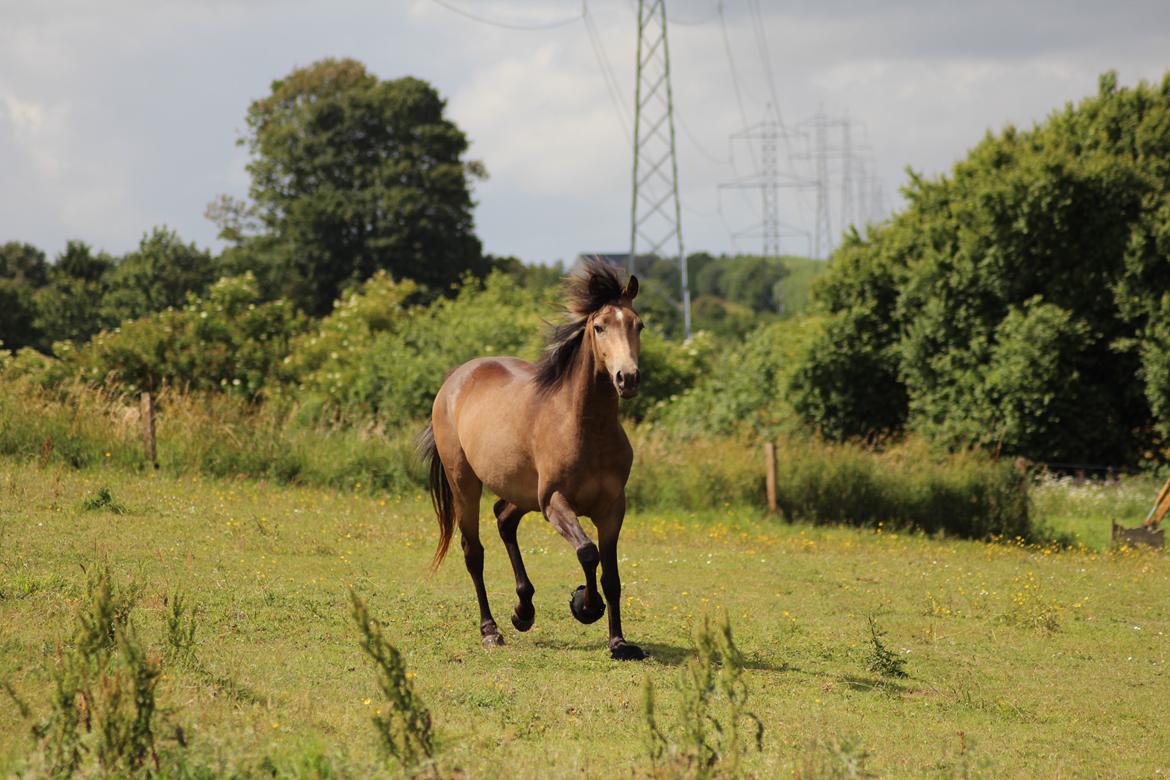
<point>872,684</point>
<point>660,653</point>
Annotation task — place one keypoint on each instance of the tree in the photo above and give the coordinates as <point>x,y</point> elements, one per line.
<point>350,175</point>
<point>229,341</point>
<point>23,271</point>
<point>1018,303</point>
<point>159,274</point>
<point>748,280</point>
<point>69,306</point>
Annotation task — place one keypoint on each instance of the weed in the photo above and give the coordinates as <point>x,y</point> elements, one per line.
<point>103,501</point>
<point>707,740</point>
<point>125,708</point>
<point>181,622</point>
<point>405,729</point>
<point>838,759</point>
<point>881,659</point>
<point>104,615</point>
<point>21,707</point>
<point>103,699</point>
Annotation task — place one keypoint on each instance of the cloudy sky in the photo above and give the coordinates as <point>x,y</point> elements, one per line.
<point>119,115</point>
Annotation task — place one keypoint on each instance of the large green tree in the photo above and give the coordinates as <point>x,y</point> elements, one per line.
<point>158,275</point>
<point>69,307</point>
<point>352,174</point>
<point>1020,302</point>
<point>23,270</point>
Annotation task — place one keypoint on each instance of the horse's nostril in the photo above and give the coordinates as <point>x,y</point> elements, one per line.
<point>621,379</point>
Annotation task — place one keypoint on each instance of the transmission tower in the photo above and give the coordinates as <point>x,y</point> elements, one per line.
<point>823,230</point>
<point>848,214</point>
<point>821,155</point>
<point>768,180</point>
<point>656,214</point>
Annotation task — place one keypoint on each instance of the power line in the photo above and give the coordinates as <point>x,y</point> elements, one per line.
<point>734,78</point>
<point>761,37</point>
<point>702,149</point>
<point>607,74</point>
<point>507,25</point>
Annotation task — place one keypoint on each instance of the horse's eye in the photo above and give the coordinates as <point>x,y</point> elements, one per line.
<point>641,326</point>
<point>598,329</point>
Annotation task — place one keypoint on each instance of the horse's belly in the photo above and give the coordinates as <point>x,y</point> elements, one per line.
<point>506,472</point>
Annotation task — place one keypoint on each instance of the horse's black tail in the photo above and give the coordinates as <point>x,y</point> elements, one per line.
<point>441,496</point>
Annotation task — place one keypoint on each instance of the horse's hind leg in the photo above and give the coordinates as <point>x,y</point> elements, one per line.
<point>507,519</point>
<point>467,490</point>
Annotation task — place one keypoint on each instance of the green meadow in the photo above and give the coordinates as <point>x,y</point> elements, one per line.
<point>1038,661</point>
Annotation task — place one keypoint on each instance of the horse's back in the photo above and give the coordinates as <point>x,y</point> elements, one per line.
<point>483,416</point>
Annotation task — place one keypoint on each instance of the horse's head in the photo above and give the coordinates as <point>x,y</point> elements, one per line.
<point>615,332</point>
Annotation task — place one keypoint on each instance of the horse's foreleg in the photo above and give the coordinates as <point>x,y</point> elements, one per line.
<point>585,603</point>
<point>507,519</point>
<point>608,529</point>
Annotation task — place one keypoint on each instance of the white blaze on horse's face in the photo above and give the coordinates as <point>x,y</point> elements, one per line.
<point>617,344</point>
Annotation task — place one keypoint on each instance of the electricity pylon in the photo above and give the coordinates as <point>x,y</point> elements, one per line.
<point>768,180</point>
<point>821,154</point>
<point>656,213</point>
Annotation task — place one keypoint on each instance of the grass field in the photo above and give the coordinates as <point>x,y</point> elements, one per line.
<point>1022,661</point>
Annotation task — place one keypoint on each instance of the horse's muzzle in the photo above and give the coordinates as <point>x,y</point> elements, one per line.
<point>626,383</point>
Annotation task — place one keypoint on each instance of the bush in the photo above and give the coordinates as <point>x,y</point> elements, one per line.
<point>1043,245</point>
<point>229,341</point>
<point>387,370</point>
<point>743,388</point>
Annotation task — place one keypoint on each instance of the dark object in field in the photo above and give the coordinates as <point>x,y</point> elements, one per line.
<point>544,437</point>
<point>1137,537</point>
<point>1147,534</point>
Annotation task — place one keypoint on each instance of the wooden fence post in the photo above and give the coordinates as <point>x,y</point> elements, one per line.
<point>770,474</point>
<point>148,441</point>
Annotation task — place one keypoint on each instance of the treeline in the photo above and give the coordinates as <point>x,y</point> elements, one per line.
<point>1019,304</point>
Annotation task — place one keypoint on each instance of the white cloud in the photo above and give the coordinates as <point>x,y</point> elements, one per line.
<point>543,124</point>
<point>121,115</point>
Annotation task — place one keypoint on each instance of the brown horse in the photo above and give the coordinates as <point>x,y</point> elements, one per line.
<point>545,437</point>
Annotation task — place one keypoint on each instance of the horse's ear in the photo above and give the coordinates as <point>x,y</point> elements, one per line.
<point>631,289</point>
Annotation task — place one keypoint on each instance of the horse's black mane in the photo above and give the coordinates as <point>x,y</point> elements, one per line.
<point>595,285</point>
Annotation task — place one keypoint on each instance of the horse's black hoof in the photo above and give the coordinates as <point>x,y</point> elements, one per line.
<point>493,640</point>
<point>577,607</point>
<point>624,651</point>
<point>523,623</point>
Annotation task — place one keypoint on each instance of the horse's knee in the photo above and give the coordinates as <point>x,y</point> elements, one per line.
<point>588,556</point>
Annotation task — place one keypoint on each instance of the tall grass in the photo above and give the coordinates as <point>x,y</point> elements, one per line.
<point>909,486</point>
<point>208,434</point>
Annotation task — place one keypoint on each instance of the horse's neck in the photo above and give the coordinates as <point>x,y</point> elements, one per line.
<point>590,395</point>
